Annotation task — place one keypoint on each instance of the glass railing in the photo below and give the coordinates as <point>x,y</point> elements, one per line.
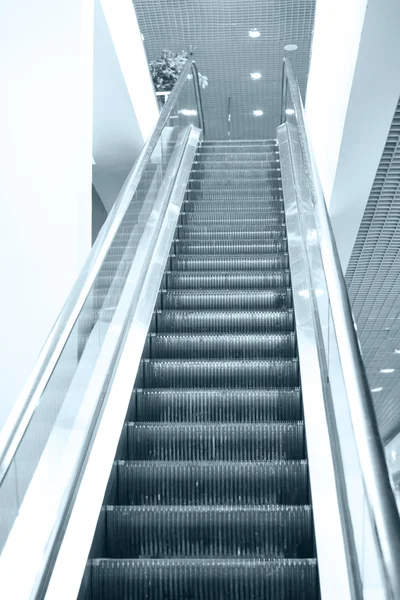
<point>369,512</point>
<point>44,441</point>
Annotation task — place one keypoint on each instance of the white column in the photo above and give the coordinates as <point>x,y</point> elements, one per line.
<point>46,82</point>
<point>353,90</point>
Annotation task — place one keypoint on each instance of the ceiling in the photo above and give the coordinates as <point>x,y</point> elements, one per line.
<point>373,279</point>
<point>219,29</point>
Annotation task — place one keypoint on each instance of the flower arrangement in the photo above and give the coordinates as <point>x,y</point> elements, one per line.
<point>166,70</point>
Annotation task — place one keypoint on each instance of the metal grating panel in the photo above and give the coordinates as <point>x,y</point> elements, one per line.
<point>373,278</point>
<point>227,55</point>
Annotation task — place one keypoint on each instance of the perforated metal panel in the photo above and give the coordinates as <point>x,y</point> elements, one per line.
<point>373,278</point>
<point>227,55</point>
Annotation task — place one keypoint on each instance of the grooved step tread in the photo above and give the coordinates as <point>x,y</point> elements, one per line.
<point>228,280</point>
<point>229,346</point>
<point>192,483</point>
<point>218,373</point>
<point>212,579</point>
<point>225,299</point>
<point>215,441</point>
<point>221,321</point>
<point>198,532</point>
<point>208,405</point>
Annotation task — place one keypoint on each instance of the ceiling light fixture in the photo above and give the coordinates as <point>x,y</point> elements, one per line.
<point>290,47</point>
<point>254,33</point>
<point>255,76</point>
<point>397,351</point>
<point>289,111</point>
<point>376,390</point>
<point>258,113</point>
<point>387,370</point>
<point>188,112</point>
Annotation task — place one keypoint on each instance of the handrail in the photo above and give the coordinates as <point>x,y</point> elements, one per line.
<point>378,489</point>
<point>198,97</point>
<point>27,402</point>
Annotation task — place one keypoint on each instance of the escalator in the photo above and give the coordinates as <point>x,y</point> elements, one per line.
<point>210,494</point>
<point>199,424</point>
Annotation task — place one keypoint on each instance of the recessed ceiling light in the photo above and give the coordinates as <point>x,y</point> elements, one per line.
<point>255,75</point>
<point>376,390</point>
<point>397,351</point>
<point>289,111</point>
<point>188,112</point>
<point>290,47</point>
<point>254,33</point>
<point>387,370</point>
<point>258,113</point>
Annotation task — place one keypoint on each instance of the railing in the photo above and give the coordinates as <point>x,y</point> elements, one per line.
<point>63,396</point>
<point>371,504</point>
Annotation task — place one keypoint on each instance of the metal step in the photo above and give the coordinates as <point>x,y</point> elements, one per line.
<point>227,280</point>
<point>197,532</point>
<point>216,405</point>
<point>263,206</point>
<point>270,172</point>
<point>196,579</point>
<point>252,220</point>
<point>215,441</point>
<point>220,321</point>
<point>211,483</point>
<point>222,346</point>
<point>235,194</point>
<point>239,183</point>
<point>238,246</point>
<point>269,262</point>
<point>233,232</point>
<point>225,299</point>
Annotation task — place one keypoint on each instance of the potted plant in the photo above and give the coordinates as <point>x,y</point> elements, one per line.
<point>165,72</point>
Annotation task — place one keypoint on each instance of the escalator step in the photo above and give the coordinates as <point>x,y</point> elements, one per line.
<point>238,183</point>
<point>216,405</point>
<point>232,219</point>
<point>240,205</point>
<point>208,164</point>
<point>215,441</point>
<point>268,262</point>
<point>237,246</point>
<point>235,195</point>
<point>218,233</point>
<point>219,321</point>
<point>227,280</point>
<point>198,532</point>
<point>226,299</point>
<point>196,579</point>
<point>223,346</point>
<point>212,483</point>
<point>212,175</point>
<point>220,374</point>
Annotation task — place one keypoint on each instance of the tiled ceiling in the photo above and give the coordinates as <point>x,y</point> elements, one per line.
<point>373,278</point>
<point>219,29</point>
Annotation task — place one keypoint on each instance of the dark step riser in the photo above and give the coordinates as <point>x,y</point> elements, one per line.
<point>225,300</point>
<point>221,232</point>
<point>227,248</point>
<point>234,406</point>
<point>137,532</point>
<point>218,374</point>
<point>229,263</point>
<point>221,346</point>
<point>233,281</point>
<point>200,580</point>
<point>232,442</point>
<point>265,207</point>
<point>212,483</point>
<point>223,322</point>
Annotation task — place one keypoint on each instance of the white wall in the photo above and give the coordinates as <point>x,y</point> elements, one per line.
<point>353,89</point>
<point>125,109</point>
<point>45,172</point>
